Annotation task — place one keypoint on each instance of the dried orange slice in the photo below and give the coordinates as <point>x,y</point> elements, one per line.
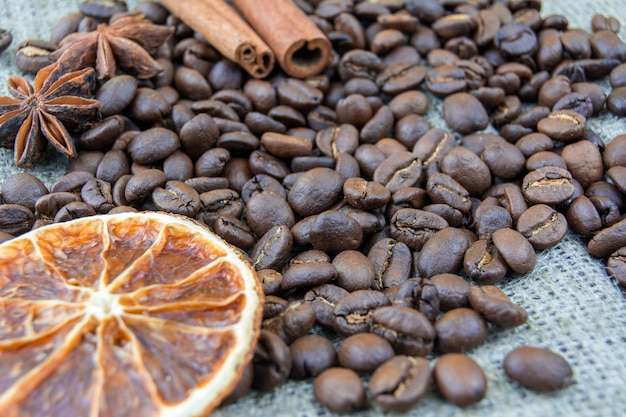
<point>133,314</point>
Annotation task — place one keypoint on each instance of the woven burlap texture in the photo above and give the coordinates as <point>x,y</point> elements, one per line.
<point>574,308</point>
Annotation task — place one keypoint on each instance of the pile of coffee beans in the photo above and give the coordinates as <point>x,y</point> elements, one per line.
<point>379,239</point>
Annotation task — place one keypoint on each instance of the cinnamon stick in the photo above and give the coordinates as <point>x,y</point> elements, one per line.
<point>300,46</point>
<point>226,30</point>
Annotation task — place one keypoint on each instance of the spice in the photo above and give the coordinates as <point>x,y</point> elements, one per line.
<point>42,112</point>
<point>128,43</point>
<point>223,28</point>
<point>301,49</point>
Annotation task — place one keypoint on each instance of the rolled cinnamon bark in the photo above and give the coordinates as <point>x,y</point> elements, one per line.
<point>300,46</point>
<point>226,30</point>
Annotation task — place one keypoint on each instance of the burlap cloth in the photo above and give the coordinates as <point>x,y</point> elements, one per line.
<point>574,308</point>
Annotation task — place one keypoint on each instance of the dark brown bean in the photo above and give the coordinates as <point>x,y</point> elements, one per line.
<point>538,368</point>
<point>459,379</point>
<point>400,383</point>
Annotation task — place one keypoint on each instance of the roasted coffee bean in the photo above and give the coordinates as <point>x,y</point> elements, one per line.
<point>616,267</point>
<point>583,217</point>
<point>198,135</point>
<point>73,210</point>
<point>563,125</point>
<point>340,390</point>
<point>294,321</point>
<point>453,291</point>
<point>365,195</point>
<point>364,352</point>
<point>315,191</point>
<point>116,94</point>
<point>460,330</point>
<point>272,249</point>
<point>459,379</point>
<point>212,163</point>
<point>542,226</point>
<point>504,160</point>
<point>616,101</point>
<point>608,240</point>
<point>178,166</point>
<point>48,205</point>
<point>142,184</point>
<point>204,184</point>
<point>267,209</point>
<point>617,174</point>
<point>495,306</point>
<point>23,189</point>
<point>408,102</point>
<point>545,159</point>
<point>97,193</point>
<point>15,219</point>
<point>392,263</point>
<point>409,331</point>
<point>400,383</point>
<point>260,183</point>
<point>354,271</point>
<point>113,165</point>
<point>148,105</point>
<point>178,198</point>
<point>353,313</point>
<point>234,231</point>
<point>600,22</point>
<point>515,39</point>
<point>5,39</point>
<point>153,145</point>
<point>31,57</point>
<point>464,113</point>
<point>334,231</point>
<point>534,143</point>
<point>378,126</point>
<point>87,161</point>
<point>416,293</point>
<point>468,169</point>
<point>218,202</point>
<point>271,361</point>
<point>483,263</point>
<point>400,170</point>
<point>548,185</point>
<point>608,190</point>
<point>414,227</point>
<point>433,261</point>
<point>538,369</point>
<point>323,299</point>
<point>401,77</point>
<point>311,355</point>
<point>359,63</point>
<point>615,152</point>
<point>445,190</point>
<point>445,80</point>
<point>515,249</point>
<point>307,274</point>
<point>490,219</point>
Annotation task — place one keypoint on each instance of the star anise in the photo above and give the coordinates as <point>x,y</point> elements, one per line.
<point>57,101</point>
<point>128,42</point>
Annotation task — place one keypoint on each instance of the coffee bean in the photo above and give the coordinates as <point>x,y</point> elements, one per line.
<point>433,261</point>
<point>464,113</point>
<point>152,145</point>
<point>400,170</point>
<point>445,190</point>
<point>142,184</point>
<point>608,240</point>
<point>271,361</point>
<point>495,306</point>
<point>97,193</point>
<point>334,231</point>
<point>542,226</point>
<point>445,80</point>
<point>364,352</point>
<point>352,314</point>
<point>465,167</point>
<point>340,390</point>
<point>400,383</point>
<point>453,291</point>
<point>74,210</point>
<point>178,198</point>
<point>460,330</point>
<point>459,379</point>
<point>23,189</point>
<point>409,331</point>
<point>294,321</point>
<point>354,271</point>
<point>315,191</point>
<point>311,355</point>
<point>538,369</point>
<point>5,39</point>
<point>515,249</point>
<point>563,125</point>
<point>307,275</point>
<point>272,249</point>
<point>267,209</point>
<point>116,94</point>
<point>392,263</point>
<point>616,101</point>
<point>15,219</point>
<point>515,39</point>
<point>323,299</point>
<point>148,105</point>
<point>548,185</point>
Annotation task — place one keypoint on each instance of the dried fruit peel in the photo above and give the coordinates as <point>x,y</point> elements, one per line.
<point>132,314</point>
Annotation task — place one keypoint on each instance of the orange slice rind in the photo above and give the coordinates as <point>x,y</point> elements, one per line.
<point>131,314</point>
